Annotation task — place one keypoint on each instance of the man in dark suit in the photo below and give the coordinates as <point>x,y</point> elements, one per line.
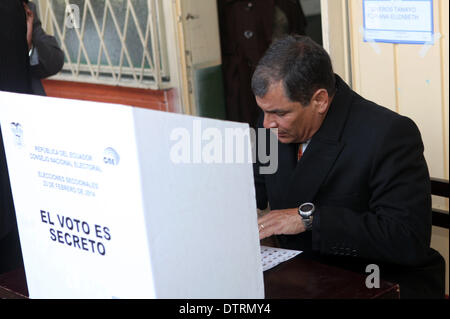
<point>352,186</point>
<point>46,58</point>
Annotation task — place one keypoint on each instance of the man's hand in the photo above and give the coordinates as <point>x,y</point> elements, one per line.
<point>30,20</point>
<point>278,222</point>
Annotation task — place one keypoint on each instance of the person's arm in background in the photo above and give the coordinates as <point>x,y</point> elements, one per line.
<point>47,58</point>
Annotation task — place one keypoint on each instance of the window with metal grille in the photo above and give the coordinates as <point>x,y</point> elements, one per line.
<point>115,42</point>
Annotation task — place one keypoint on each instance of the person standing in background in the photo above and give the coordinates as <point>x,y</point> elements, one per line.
<point>247,28</point>
<point>46,57</point>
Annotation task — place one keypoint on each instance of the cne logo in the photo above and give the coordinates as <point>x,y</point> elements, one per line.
<point>111,157</point>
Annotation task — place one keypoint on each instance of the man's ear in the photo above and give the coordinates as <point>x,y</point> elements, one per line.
<point>320,101</point>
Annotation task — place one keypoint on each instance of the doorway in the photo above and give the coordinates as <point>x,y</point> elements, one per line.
<point>312,11</point>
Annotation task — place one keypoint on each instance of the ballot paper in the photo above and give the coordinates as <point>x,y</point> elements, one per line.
<point>271,257</point>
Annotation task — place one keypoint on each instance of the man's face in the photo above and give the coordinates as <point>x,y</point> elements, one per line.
<point>295,122</point>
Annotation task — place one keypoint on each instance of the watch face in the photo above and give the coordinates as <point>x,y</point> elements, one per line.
<point>306,208</point>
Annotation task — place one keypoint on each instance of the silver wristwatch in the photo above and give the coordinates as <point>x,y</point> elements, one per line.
<point>306,211</point>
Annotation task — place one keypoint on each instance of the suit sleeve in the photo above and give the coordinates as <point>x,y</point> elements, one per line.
<point>260,181</point>
<point>397,227</point>
<point>260,188</point>
<point>51,57</point>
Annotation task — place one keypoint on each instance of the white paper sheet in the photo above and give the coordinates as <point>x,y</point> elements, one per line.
<point>271,257</point>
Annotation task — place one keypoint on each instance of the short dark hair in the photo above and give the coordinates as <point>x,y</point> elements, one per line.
<point>302,65</point>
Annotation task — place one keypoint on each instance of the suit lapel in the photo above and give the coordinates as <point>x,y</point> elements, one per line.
<point>322,151</point>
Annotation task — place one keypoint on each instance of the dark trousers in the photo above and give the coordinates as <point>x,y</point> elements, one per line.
<point>10,252</point>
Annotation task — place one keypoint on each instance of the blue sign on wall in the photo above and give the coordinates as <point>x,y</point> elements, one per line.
<point>398,21</point>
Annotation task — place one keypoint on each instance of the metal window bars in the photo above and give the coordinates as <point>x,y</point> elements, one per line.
<point>114,42</point>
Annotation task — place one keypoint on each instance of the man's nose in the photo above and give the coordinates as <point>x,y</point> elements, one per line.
<point>269,121</point>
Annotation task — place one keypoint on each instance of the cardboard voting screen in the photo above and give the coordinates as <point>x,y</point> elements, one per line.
<point>119,202</point>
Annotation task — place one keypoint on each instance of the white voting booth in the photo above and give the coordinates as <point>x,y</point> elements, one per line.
<point>116,202</point>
